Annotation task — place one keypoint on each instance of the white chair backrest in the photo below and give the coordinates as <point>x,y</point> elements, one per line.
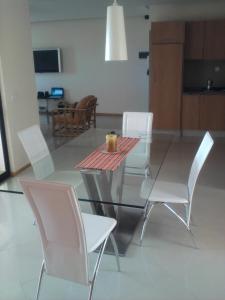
<point>198,162</point>
<point>59,219</point>
<point>137,123</point>
<point>44,167</point>
<point>34,143</point>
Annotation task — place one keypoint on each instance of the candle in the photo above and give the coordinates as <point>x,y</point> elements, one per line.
<point>111,142</point>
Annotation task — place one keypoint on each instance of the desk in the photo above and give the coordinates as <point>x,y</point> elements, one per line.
<point>47,105</point>
<point>128,196</point>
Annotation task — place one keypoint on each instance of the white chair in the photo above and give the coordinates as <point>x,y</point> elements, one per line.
<point>40,158</point>
<point>67,235</point>
<point>138,124</point>
<point>167,193</point>
<point>34,143</point>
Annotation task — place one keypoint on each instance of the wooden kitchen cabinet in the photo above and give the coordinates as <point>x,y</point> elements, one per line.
<point>214,43</point>
<point>194,40</point>
<point>204,40</point>
<point>166,85</point>
<point>190,111</point>
<point>212,112</point>
<point>167,32</point>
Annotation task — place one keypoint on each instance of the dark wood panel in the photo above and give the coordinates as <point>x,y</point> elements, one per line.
<point>167,32</point>
<point>214,44</point>
<point>190,112</point>
<point>165,85</point>
<point>212,112</point>
<point>194,40</point>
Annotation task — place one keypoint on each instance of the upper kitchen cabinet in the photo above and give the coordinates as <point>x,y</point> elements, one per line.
<point>194,40</point>
<point>214,43</point>
<point>167,32</point>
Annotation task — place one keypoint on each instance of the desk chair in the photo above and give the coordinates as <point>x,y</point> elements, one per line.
<point>167,193</point>
<point>67,235</point>
<point>138,124</point>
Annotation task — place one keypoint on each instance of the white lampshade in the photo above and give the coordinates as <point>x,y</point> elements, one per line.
<point>115,45</point>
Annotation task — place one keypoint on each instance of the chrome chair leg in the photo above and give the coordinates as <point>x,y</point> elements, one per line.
<point>177,215</point>
<point>148,172</point>
<point>115,250</point>
<point>97,267</point>
<point>40,279</point>
<point>186,223</point>
<point>146,209</point>
<point>186,210</point>
<point>193,238</point>
<point>146,218</point>
<point>188,215</point>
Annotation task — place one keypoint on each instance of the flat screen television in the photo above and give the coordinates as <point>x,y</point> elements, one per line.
<point>47,60</point>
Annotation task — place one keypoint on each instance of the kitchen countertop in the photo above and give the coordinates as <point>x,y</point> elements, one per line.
<point>204,91</point>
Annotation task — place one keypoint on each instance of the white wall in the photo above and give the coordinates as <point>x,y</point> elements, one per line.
<point>119,86</point>
<point>16,76</point>
<point>187,11</point>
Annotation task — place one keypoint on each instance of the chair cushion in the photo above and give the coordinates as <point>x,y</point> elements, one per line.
<point>97,228</point>
<point>169,192</point>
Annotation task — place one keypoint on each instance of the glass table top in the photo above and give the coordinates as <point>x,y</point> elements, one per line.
<point>136,186</point>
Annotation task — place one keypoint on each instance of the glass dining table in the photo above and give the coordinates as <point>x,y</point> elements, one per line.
<point>122,193</point>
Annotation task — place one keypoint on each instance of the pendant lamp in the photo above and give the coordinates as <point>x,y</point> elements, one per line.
<point>115,45</point>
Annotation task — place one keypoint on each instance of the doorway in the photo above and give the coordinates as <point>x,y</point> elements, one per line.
<point>4,158</point>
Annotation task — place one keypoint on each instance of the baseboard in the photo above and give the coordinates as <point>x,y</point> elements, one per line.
<point>167,131</point>
<point>19,170</point>
<point>109,114</point>
<point>214,133</point>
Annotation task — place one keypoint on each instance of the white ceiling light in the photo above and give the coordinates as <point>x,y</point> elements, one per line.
<point>115,45</point>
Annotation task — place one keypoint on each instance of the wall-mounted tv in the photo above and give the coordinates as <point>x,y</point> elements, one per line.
<point>47,60</point>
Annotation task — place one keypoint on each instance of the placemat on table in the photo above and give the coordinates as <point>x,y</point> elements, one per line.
<point>99,159</point>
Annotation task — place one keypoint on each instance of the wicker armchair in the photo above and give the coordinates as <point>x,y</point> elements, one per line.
<point>91,113</point>
<point>71,121</point>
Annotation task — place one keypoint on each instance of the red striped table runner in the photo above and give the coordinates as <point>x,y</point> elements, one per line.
<point>108,161</point>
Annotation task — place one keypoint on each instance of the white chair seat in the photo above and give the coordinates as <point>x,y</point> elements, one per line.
<point>137,161</point>
<point>169,192</point>
<point>96,228</point>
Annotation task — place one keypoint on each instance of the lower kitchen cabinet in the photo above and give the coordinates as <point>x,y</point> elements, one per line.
<point>212,112</point>
<point>190,112</point>
<point>203,112</point>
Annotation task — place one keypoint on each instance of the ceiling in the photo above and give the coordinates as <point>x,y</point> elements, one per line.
<point>47,10</point>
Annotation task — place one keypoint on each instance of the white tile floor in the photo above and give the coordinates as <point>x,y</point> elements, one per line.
<point>170,265</point>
